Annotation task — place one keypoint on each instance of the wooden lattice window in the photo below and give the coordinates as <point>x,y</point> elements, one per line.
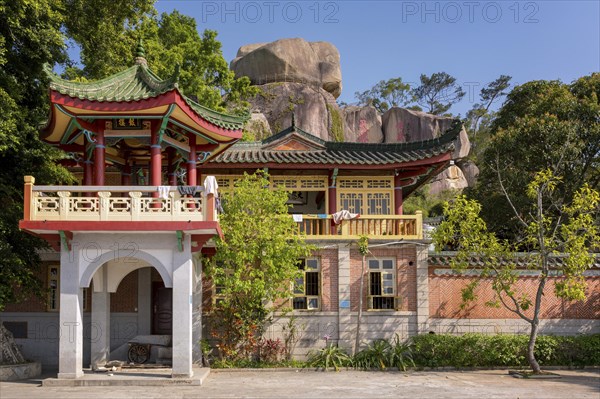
<point>366,195</point>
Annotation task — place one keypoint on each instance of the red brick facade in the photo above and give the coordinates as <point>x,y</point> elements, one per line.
<point>445,299</point>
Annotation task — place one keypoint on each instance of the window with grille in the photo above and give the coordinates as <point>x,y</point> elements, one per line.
<point>307,287</point>
<point>367,196</point>
<point>53,302</point>
<point>382,284</point>
<point>53,287</point>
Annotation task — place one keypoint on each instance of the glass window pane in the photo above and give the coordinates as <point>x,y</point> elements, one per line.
<point>299,303</point>
<point>373,264</point>
<point>312,283</point>
<point>312,264</point>
<point>299,286</point>
<point>388,264</point>
<point>313,303</point>
<point>375,287</point>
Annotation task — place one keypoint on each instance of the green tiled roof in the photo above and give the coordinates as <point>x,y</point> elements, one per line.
<point>340,153</point>
<point>521,259</point>
<point>134,84</point>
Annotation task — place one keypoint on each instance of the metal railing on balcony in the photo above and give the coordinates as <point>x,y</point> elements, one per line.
<point>374,226</point>
<point>113,203</point>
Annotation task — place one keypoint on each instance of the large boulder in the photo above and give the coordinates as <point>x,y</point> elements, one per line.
<point>363,124</point>
<point>451,178</point>
<point>314,109</point>
<point>470,171</point>
<point>291,60</point>
<point>402,125</point>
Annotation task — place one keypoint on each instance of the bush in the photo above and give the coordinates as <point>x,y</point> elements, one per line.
<point>381,354</point>
<point>329,357</point>
<point>502,350</point>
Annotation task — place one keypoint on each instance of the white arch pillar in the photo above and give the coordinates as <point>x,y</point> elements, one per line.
<point>100,327</point>
<point>70,348</point>
<point>182,310</point>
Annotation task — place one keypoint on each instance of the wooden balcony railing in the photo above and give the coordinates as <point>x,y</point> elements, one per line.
<point>376,226</point>
<point>113,203</point>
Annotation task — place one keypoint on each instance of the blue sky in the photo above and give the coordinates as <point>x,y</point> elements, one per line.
<point>475,41</point>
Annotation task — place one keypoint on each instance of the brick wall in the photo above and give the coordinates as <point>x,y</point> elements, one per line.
<point>329,279</point>
<point>445,299</point>
<point>37,304</point>
<point>406,276</point>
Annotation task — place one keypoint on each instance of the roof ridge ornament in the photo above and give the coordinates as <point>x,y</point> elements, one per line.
<point>140,53</point>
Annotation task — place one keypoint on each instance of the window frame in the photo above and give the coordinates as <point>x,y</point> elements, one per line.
<point>382,296</point>
<point>303,294</point>
<point>364,189</point>
<point>54,292</point>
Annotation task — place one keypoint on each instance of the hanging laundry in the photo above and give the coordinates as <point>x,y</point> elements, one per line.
<point>210,185</point>
<point>189,190</point>
<point>163,192</point>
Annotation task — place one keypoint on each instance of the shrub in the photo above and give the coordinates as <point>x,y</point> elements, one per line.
<point>329,357</point>
<point>381,354</point>
<point>502,350</point>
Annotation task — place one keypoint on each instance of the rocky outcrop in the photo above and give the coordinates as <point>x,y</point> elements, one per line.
<point>363,125</point>
<point>470,171</point>
<point>291,60</point>
<point>451,178</point>
<point>9,351</point>
<point>315,109</point>
<point>402,125</point>
<point>304,79</point>
<point>258,127</point>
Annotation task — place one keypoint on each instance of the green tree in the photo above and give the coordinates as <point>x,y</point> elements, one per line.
<point>386,94</point>
<point>542,124</point>
<point>29,37</point>
<point>487,97</point>
<point>171,41</point>
<point>255,263</point>
<point>572,232</point>
<point>437,93</point>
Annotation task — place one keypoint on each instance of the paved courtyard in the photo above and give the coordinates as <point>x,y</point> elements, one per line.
<point>489,384</point>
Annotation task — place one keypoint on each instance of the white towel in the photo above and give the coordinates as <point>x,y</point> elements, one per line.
<point>297,218</point>
<point>210,185</point>
<point>344,215</point>
<point>163,192</point>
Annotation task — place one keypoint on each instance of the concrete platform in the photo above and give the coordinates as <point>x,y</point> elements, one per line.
<point>129,377</point>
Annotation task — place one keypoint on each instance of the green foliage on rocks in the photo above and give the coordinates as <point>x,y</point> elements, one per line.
<point>337,126</point>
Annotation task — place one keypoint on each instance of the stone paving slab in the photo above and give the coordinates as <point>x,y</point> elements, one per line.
<point>129,377</point>
<point>483,384</point>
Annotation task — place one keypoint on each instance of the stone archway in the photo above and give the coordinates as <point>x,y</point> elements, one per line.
<point>171,257</point>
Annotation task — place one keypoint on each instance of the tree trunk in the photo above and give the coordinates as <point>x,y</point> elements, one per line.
<point>531,348</point>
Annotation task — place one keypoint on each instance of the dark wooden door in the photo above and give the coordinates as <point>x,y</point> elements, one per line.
<point>162,309</point>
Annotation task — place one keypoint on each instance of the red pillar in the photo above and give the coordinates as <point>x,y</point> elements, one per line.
<point>397,195</point>
<point>88,165</point>
<point>155,160</point>
<point>99,161</point>
<point>332,197</point>
<point>171,166</point>
<point>191,165</point>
